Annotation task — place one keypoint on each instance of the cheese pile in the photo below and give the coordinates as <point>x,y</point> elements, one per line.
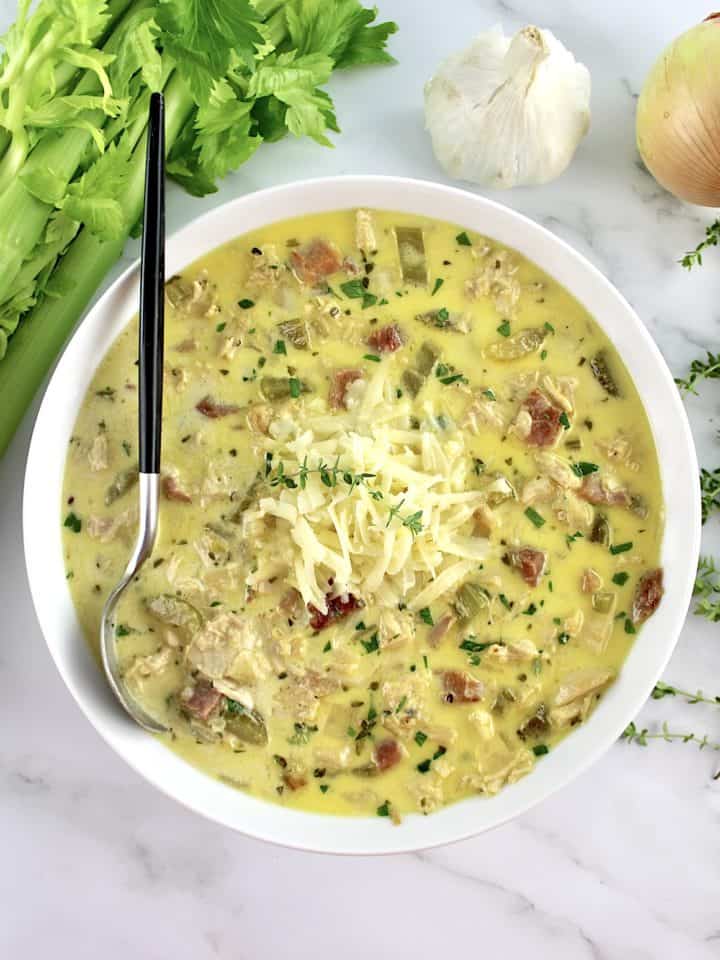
<point>404,534</point>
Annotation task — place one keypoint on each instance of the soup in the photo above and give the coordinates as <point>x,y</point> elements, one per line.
<point>410,522</point>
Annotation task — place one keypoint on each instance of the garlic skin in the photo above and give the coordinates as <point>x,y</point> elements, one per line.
<point>508,112</point>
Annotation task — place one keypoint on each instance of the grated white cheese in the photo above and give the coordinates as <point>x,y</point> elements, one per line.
<point>402,534</point>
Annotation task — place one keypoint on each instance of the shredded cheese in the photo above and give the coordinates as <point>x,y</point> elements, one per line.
<point>369,507</point>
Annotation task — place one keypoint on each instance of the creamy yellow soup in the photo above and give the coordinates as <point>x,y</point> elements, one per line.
<point>410,522</point>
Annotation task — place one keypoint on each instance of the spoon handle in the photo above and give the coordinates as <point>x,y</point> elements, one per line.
<point>152,293</point>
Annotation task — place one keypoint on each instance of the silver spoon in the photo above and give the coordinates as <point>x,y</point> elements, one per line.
<point>150,383</point>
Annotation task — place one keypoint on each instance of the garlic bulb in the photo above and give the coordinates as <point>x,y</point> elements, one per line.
<point>506,112</point>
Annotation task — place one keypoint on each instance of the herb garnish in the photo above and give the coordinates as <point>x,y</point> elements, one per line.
<point>621,578</point>
<point>707,369</point>
<point>246,304</point>
<point>616,548</point>
<point>709,492</point>
<point>426,616</point>
<point>280,347</point>
<point>534,517</point>
<point>564,420</point>
<point>583,468</point>
<point>73,522</point>
<point>540,749</point>
<point>504,328</point>
<point>662,690</point>
<point>707,588</point>
<point>436,286</point>
<point>420,738</point>
<point>384,809</point>
<point>694,257</point>
<point>463,240</point>
<point>373,357</point>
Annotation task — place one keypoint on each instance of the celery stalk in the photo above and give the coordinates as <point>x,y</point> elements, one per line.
<point>43,332</point>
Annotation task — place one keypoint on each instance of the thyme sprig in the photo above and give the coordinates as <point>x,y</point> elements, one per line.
<point>709,492</point>
<point>693,258</point>
<point>333,476</point>
<point>707,369</point>
<point>662,690</point>
<point>641,737</point>
<point>707,589</point>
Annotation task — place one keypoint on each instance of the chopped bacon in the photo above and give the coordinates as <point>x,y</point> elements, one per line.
<point>596,491</point>
<point>341,380</point>
<point>338,607</point>
<point>529,562</point>
<point>545,416</point>
<point>209,408</point>
<point>203,699</point>
<point>461,687</point>
<point>387,339</point>
<point>648,595</point>
<point>316,261</point>
<point>294,780</point>
<point>173,491</point>
<point>387,754</point>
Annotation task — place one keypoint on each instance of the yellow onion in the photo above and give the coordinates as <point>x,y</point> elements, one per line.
<point>678,116</point>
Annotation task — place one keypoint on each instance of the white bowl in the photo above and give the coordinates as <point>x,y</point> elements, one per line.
<point>651,650</point>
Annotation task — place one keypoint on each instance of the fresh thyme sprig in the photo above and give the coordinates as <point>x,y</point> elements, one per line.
<point>709,491</point>
<point>693,258</point>
<point>413,521</point>
<point>707,369</point>
<point>707,589</point>
<point>641,738</point>
<point>332,476</point>
<point>662,690</point>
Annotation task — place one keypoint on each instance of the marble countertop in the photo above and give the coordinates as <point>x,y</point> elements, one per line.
<point>621,865</point>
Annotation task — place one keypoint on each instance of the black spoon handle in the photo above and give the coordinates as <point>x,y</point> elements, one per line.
<point>152,292</point>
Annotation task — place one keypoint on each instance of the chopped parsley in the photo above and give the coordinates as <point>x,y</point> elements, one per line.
<point>371,645</point>
<point>373,357</point>
<point>73,522</point>
<point>280,347</point>
<point>324,787</point>
<point>353,289</point>
<point>246,304</point>
<point>122,630</point>
<point>621,547</point>
<point>384,809</point>
<point>436,286</point>
<point>489,394</point>
<point>549,327</point>
<point>420,737</point>
<point>295,387</point>
<point>504,601</point>
<point>621,578</point>
<point>563,638</point>
<point>469,645</point>
<point>504,328</point>
<point>463,240</point>
<point>583,468</point>
<point>534,517</point>
<point>220,327</point>
<point>453,378</point>
<point>629,626</point>
<point>368,300</point>
<point>327,647</point>
<point>564,420</point>
<point>540,750</point>
<point>426,616</point>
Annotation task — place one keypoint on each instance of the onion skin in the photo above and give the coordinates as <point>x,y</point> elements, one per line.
<point>678,116</point>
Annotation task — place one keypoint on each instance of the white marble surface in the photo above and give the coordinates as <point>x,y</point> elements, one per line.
<point>622,865</point>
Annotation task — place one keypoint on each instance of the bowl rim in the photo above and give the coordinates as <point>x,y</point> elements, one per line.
<point>317,832</point>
